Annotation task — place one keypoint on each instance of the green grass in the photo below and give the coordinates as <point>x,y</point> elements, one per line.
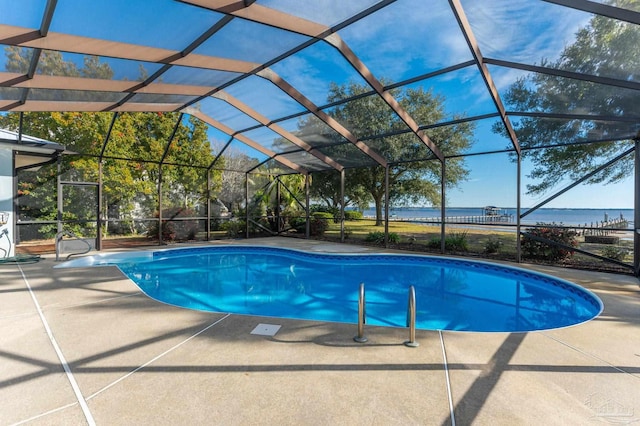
<point>417,237</point>
<point>477,242</point>
<point>420,235</point>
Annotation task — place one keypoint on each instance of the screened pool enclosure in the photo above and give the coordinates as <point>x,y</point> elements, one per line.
<point>200,119</point>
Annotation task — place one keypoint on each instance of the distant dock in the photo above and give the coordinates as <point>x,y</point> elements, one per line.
<point>610,224</point>
<point>505,218</point>
<point>604,227</point>
<point>490,215</point>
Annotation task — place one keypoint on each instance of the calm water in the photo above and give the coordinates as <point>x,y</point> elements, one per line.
<point>547,215</point>
<point>451,294</point>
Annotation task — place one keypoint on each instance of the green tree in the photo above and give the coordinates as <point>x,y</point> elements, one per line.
<point>50,62</point>
<point>414,176</point>
<point>605,47</point>
<point>190,146</point>
<point>136,145</point>
<point>292,193</point>
<point>232,189</point>
<point>74,131</point>
<point>291,188</point>
<point>325,187</point>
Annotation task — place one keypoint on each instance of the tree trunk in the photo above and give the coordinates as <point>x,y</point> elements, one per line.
<point>105,214</point>
<point>378,201</point>
<point>132,224</point>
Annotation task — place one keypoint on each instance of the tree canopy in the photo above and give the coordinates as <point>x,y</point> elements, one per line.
<point>138,142</point>
<point>414,172</point>
<point>607,48</point>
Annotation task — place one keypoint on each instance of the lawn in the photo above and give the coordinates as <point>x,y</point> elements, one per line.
<point>486,241</point>
<point>420,236</point>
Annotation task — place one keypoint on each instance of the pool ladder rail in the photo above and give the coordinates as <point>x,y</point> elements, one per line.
<point>411,317</point>
<point>360,338</point>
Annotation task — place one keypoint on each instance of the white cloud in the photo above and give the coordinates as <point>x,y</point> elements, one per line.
<point>307,78</point>
<point>408,38</point>
<point>523,30</point>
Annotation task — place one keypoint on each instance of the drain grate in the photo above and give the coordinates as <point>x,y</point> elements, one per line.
<point>266,329</point>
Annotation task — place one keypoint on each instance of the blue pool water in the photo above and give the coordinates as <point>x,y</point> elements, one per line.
<point>451,294</point>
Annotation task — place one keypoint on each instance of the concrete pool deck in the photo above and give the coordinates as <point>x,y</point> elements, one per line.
<point>84,345</point>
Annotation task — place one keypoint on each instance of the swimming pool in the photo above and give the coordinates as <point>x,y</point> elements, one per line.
<point>451,294</point>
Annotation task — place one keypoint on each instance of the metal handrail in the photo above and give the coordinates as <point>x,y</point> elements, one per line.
<point>411,319</point>
<point>360,338</point>
<point>61,234</point>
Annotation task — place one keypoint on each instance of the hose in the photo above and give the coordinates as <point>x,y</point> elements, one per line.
<point>5,233</point>
<point>20,258</point>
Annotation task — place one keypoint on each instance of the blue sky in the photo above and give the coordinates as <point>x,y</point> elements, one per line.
<point>506,31</point>
<point>493,182</point>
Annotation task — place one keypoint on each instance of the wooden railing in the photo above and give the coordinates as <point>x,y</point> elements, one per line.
<point>506,218</point>
<point>603,227</point>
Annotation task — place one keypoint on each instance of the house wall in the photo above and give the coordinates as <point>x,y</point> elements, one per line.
<point>6,202</point>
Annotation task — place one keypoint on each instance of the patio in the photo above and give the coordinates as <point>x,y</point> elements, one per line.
<point>84,345</point>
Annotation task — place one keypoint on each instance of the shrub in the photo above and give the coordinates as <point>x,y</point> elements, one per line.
<point>377,237</point>
<point>175,229</point>
<point>168,231</point>
<point>353,215</point>
<point>215,224</point>
<point>318,224</point>
<point>434,243</point>
<point>121,227</point>
<point>298,223</point>
<point>535,249</point>
<point>456,241</point>
<point>323,215</point>
<point>615,253</point>
<point>492,245</point>
<point>234,228</point>
<point>333,212</point>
